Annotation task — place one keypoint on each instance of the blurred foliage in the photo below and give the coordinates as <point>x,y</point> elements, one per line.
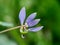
<point>47,10</point>
<point>5,41</point>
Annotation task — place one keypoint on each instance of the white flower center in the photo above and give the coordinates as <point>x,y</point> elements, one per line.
<point>24,29</point>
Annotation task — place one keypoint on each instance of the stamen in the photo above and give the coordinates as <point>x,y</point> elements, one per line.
<point>26,24</point>
<point>23,29</point>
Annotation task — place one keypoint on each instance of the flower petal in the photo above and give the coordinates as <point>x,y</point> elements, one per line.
<point>31,17</point>
<point>22,15</point>
<point>33,23</point>
<point>36,29</point>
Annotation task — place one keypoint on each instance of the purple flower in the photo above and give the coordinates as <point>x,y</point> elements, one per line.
<point>29,23</point>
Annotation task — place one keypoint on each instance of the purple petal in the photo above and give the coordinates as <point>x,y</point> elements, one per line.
<point>33,23</point>
<point>31,17</point>
<point>22,15</point>
<point>35,29</point>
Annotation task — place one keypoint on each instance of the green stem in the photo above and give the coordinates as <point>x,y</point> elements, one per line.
<point>10,29</point>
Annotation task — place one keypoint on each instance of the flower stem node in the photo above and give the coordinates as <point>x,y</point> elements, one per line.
<point>23,30</point>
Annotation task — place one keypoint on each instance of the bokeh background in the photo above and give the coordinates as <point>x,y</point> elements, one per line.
<point>47,10</point>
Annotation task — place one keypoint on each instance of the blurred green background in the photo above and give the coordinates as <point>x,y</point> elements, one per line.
<point>47,10</point>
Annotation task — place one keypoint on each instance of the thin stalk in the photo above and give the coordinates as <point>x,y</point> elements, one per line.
<point>10,29</point>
